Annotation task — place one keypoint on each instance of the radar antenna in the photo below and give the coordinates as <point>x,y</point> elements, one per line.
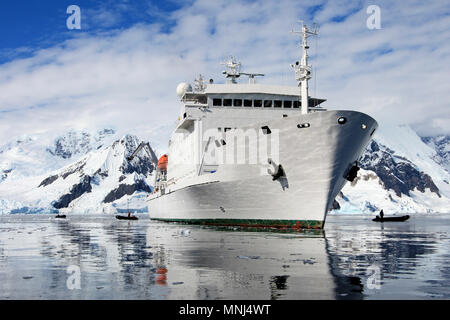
<point>234,71</point>
<point>251,76</point>
<point>303,69</point>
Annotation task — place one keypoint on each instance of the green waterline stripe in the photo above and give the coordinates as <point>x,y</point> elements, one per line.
<point>263,223</point>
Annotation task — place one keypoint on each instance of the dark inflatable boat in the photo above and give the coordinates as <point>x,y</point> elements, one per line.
<point>391,219</point>
<point>60,216</point>
<point>126,217</point>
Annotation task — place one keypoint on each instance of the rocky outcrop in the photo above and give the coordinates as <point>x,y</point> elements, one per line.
<point>77,168</point>
<point>127,189</point>
<point>76,191</point>
<point>4,174</point>
<point>397,173</point>
<point>48,181</point>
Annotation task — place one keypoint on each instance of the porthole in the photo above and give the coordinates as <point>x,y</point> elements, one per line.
<point>342,120</point>
<point>303,125</point>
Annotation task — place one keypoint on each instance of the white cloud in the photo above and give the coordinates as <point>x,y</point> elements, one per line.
<point>127,78</point>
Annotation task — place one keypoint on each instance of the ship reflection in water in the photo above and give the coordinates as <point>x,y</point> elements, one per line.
<point>354,258</point>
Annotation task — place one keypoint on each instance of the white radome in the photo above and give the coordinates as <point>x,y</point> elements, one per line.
<point>182,88</point>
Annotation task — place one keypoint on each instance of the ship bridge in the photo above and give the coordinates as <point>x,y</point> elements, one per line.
<point>253,97</point>
<point>249,95</point>
<point>234,105</point>
<point>257,96</point>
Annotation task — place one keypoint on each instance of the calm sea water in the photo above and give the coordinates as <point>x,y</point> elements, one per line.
<point>99,257</point>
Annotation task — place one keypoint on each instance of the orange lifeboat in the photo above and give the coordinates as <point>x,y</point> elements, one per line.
<point>162,162</point>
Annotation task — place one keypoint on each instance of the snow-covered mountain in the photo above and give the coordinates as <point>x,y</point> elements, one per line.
<point>82,171</point>
<point>94,174</point>
<point>441,144</point>
<point>75,143</point>
<point>41,153</point>
<point>401,173</point>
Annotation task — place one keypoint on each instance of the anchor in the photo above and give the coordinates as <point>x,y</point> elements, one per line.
<point>277,170</point>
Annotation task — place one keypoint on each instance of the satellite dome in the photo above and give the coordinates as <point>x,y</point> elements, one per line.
<point>182,88</point>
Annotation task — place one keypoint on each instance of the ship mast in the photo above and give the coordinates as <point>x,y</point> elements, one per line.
<point>302,69</point>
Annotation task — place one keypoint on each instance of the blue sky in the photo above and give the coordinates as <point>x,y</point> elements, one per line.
<point>31,25</point>
<point>121,69</point>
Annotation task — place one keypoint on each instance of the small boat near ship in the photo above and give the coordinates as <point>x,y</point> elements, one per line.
<point>391,219</point>
<point>129,216</point>
<point>382,218</point>
<point>119,217</point>
<point>60,216</point>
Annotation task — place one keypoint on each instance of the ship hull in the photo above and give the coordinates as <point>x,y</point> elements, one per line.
<point>315,160</point>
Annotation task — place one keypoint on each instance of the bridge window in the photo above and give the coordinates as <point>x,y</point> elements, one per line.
<point>237,102</point>
<point>247,103</point>
<point>287,104</point>
<point>257,103</point>
<point>277,103</point>
<point>267,103</point>
<point>296,104</point>
<point>217,102</point>
<point>227,102</point>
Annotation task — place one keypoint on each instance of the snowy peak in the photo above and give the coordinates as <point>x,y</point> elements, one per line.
<point>42,153</point>
<point>441,144</point>
<point>79,143</point>
<point>106,173</point>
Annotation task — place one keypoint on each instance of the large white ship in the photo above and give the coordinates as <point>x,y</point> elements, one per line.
<point>249,154</point>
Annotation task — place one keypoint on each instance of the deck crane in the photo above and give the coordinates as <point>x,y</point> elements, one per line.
<point>141,146</point>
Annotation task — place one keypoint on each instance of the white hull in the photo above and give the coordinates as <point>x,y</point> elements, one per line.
<point>315,161</point>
